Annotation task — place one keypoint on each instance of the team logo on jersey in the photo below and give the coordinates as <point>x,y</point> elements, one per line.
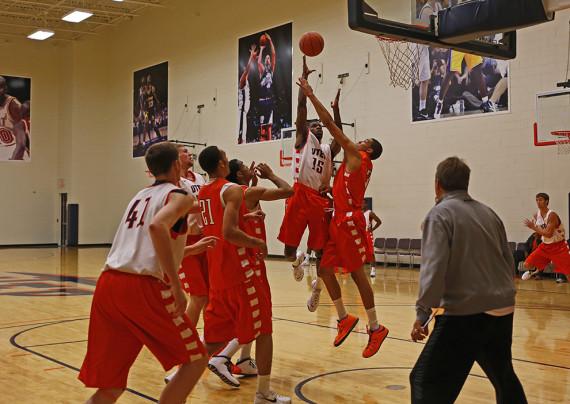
<point>43,285</point>
<point>6,137</point>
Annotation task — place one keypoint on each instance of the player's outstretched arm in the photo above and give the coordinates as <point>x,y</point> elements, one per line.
<point>178,206</point>
<point>245,74</point>
<point>255,194</point>
<point>200,246</point>
<point>335,105</point>
<point>273,53</point>
<point>375,221</point>
<point>351,153</point>
<point>301,122</point>
<point>553,222</point>
<point>233,197</point>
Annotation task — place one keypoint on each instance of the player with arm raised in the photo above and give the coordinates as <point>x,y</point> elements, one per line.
<point>346,246</point>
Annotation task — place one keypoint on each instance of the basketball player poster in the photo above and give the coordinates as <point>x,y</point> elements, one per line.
<point>150,107</point>
<point>15,94</point>
<point>264,83</point>
<point>452,84</point>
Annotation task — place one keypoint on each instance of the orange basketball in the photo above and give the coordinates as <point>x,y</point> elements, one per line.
<point>263,40</point>
<point>311,43</point>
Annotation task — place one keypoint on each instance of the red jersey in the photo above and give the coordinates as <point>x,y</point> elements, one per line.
<point>228,264</point>
<point>255,227</point>
<point>349,188</point>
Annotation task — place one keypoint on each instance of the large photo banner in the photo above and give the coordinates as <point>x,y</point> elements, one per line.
<point>264,84</point>
<point>453,83</point>
<point>150,107</point>
<point>15,94</point>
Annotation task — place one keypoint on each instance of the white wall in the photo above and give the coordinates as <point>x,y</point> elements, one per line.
<point>30,200</point>
<point>199,40</point>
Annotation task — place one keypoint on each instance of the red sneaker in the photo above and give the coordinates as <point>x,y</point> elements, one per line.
<point>375,340</point>
<point>344,327</point>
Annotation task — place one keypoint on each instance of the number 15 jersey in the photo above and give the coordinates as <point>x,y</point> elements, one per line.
<point>312,165</point>
<point>132,250</point>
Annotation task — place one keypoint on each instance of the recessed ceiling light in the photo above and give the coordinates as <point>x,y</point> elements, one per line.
<point>118,1</point>
<point>41,34</point>
<point>77,16</point>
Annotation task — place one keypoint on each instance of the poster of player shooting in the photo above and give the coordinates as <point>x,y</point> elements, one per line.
<point>452,83</point>
<point>264,84</point>
<point>15,94</point>
<point>150,107</point>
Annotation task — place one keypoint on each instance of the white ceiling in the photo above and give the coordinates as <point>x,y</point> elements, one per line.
<point>18,18</point>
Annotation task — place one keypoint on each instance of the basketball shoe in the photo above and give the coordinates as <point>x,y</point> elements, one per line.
<point>372,272</point>
<point>375,339</point>
<point>315,298</point>
<point>529,274</point>
<point>245,368</point>
<point>221,366</point>
<point>271,397</point>
<point>438,109</point>
<point>489,106</point>
<point>298,270</point>
<point>344,327</point>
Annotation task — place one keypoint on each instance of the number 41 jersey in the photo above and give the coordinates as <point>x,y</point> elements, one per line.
<point>132,250</point>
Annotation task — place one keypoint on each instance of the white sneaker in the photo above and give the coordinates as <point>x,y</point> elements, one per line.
<point>298,271</point>
<point>529,274</point>
<point>221,367</point>
<point>315,298</point>
<point>272,397</point>
<point>168,378</point>
<point>306,261</point>
<point>373,272</point>
<point>245,367</point>
<point>438,109</point>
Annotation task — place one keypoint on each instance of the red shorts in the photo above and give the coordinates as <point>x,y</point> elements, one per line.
<point>370,246</point>
<point>347,247</point>
<point>193,272</point>
<point>243,311</point>
<point>305,208</point>
<point>128,312</point>
<point>558,253</point>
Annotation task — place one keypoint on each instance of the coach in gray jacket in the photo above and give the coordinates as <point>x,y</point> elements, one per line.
<point>467,269</point>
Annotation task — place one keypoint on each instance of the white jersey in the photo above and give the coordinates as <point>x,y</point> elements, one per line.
<point>557,236</point>
<point>195,223</point>
<point>312,164</point>
<point>132,250</point>
<point>367,218</point>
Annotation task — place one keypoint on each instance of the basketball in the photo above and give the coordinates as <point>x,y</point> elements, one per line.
<point>263,40</point>
<point>311,43</point>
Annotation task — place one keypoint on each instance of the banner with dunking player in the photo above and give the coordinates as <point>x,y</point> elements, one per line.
<point>453,83</point>
<point>264,84</point>
<point>150,107</point>
<point>15,94</point>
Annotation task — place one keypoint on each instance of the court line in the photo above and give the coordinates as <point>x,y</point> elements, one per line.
<point>300,385</point>
<point>420,343</point>
<point>56,343</point>
<point>61,363</point>
<point>46,321</point>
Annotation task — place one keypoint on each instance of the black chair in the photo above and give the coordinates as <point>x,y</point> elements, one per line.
<point>415,250</point>
<point>390,248</point>
<point>403,249</point>
<point>379,244</point>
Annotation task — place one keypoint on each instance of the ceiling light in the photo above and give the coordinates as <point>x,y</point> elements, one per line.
<point>118,1</point>
<point>41,34</point>
<point>76,16</point>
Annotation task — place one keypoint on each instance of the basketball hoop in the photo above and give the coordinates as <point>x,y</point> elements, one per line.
<point>563,141</point>
<point>402,58</point>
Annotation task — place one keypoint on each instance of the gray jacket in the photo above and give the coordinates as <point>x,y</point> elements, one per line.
<point>467,266</point>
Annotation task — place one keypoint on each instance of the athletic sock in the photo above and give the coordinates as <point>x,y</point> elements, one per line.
<point>263,384</point>
<point>319,284</point>
<point>372,320</point>
<point>485,99</point>
<point>245,351</point>
<point>340,309</point>
<point>422,104</point>
<point>230,349</point>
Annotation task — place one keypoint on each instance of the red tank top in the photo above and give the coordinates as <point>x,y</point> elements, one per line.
<point>228,264</point>
<point>349,188</point>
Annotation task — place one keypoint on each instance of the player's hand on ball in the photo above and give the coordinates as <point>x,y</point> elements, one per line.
<point>179,300</point>
<point>304,84</point>
<point>264,171</point>
<point>419,332</point>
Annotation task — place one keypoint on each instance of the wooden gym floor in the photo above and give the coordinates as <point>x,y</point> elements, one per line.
<point>45,295</point>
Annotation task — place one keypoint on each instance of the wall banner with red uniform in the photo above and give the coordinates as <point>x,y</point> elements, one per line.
<point>15,95</point>
<point>264,82</point>
<point>150,107</point>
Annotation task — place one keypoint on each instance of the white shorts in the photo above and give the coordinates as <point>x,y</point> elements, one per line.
<point>424,66</point>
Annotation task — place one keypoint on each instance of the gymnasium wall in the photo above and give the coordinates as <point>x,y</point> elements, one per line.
<point>29,191</point>
<point>199,40</point>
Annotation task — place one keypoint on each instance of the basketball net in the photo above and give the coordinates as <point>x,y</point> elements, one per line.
<point>402,58</point>
<point>563,142</point>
